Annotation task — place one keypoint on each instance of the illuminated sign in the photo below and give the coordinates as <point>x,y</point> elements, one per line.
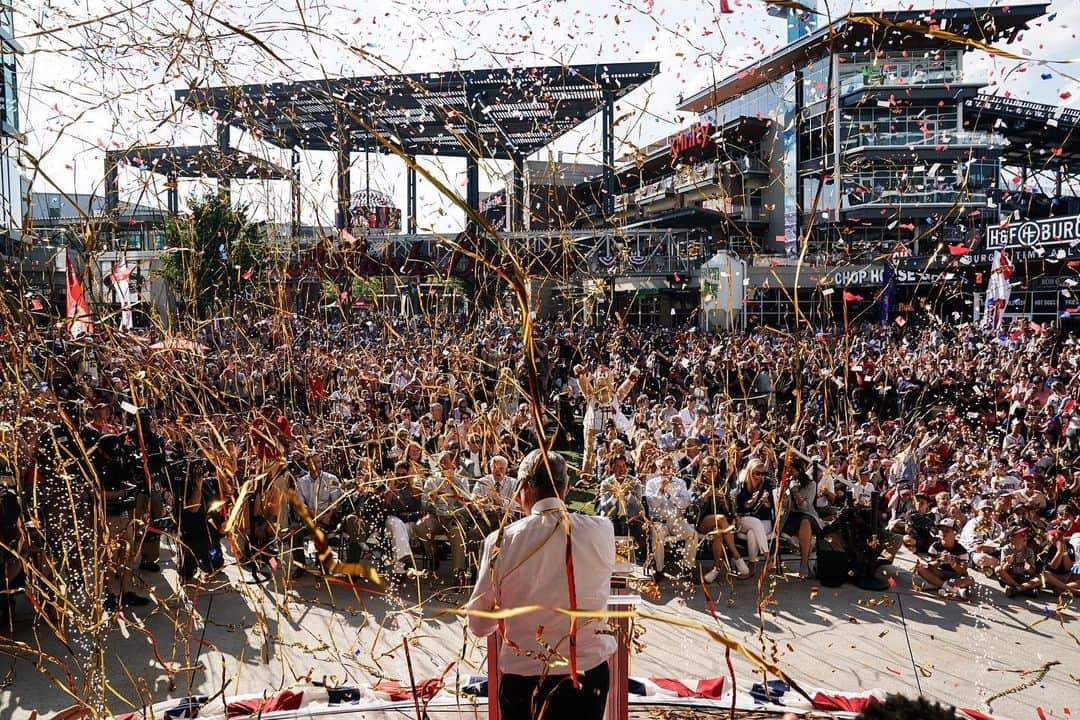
<point>698,136</point>
<point>1035,233</point>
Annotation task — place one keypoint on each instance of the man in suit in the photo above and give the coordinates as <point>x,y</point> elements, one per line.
<point>528,563</point>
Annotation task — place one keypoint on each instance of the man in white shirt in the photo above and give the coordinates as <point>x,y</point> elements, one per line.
<point>495,491</point>
<point>526,564</point>
<point>862,492</point>
<point>980,536</point>
<point>320,492</point>
<point>688,414</point>
<point>341,403</point>
<point>446,493</point>
<point>668,498</point>
<point>470,460</point>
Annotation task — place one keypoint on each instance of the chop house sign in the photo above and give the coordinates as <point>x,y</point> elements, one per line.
<point>1035,233</point>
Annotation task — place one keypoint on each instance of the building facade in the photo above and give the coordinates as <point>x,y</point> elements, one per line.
<point>864,142</point>
<point>10,136</point>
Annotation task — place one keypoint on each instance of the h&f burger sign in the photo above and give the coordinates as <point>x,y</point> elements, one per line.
<point>1035,233</point>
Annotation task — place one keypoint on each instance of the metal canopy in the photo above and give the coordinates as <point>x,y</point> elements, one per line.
<point>503,113</point>
<point>1039,134</point>
<point>867,32</point>
<point>196,161</point>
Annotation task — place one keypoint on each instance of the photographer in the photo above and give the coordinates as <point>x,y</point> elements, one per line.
<point>199,539</point>
<point>12,573</point>
<point>120,501</point>
<point>146,460</point>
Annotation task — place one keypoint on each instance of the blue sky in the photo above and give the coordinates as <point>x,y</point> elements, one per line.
<point>110,82</point>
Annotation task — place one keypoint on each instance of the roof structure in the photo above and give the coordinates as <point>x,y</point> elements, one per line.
<point>196,161</point>
<point>1039,134</point>
<point>501,113</point>
<point>982,24</point>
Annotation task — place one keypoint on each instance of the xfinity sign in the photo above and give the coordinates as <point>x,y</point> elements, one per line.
<point>1035,233</point>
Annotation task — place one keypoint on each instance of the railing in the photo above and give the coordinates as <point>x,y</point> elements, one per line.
<point>956,138</point>
<point>854,83</point>
<point>605,252</point>
<point>655,191</point>
<point>751,213</point>
<point>918,197</point>
<point>637,253</point>
<point>697,176</point>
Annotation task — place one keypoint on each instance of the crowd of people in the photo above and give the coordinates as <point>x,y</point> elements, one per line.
<point>402,438</point>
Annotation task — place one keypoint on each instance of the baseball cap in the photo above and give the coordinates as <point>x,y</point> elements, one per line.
<point>947,523</point>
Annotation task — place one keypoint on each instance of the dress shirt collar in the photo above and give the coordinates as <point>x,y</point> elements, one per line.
<point>552,503</point>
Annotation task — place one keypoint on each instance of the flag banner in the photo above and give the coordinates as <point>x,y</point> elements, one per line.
<point>120,279</point>
<point>78,312</point>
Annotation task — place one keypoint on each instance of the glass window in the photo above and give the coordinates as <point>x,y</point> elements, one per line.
<point>929,182</point>
<point>130,240</point>
<point>761,102</point>
<point>899,68</point>
<point>9,102</point>
<point>908,125</point>
<point>157,240</point>
<point>816,81</point>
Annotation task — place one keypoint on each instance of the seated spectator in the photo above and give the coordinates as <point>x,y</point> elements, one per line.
<point>668,497</point>
<point>674,436</point>
<point>1017,573</point>
<point>754,505</point>
<point>403,503</point>
<point>1031,494</point>
<point>1060,571</point>
<point>446,499</point>
<point>946,570</point>
<point>711,511</point>
<point>1066,517</point>
<point>980,536</point>
<point>942,505</point>
<point>494,493</point>
<point>901,506</point>
<point>919,530</point>
<point>862,491</point>
<point>802,519</point>
<point>620,500</point>
<point>321,493</point>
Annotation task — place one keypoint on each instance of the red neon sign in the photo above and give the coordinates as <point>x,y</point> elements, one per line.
<point>696,137</point>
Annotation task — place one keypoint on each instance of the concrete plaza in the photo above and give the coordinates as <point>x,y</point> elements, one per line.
<point>264,637</point>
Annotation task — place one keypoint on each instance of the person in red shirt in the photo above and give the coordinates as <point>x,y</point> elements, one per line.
<point>316,390</point>
<point>271,435</point>
<point>100,422</point>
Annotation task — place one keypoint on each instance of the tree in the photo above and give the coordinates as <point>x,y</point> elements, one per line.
<point>212,255</point>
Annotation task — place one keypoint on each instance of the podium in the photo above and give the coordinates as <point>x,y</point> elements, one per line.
<point>623,598</point>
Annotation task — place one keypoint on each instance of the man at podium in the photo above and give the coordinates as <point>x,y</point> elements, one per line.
<point>531,562</point>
